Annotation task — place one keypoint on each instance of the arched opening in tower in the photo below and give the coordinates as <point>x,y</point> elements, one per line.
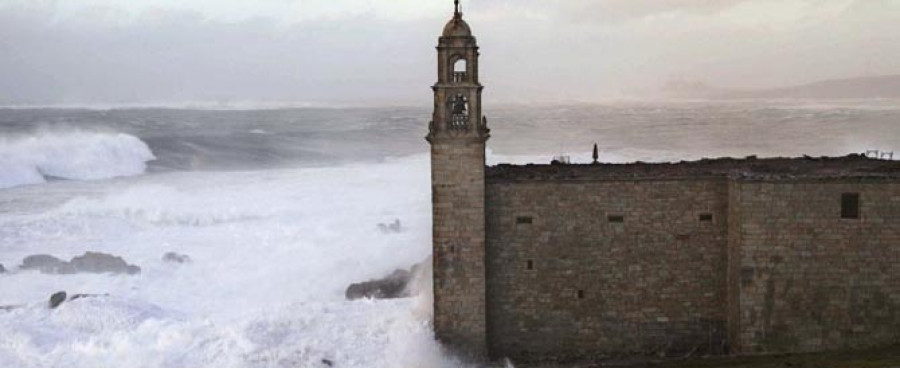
<point>459,70</point>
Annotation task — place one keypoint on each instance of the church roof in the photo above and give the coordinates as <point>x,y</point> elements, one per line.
<point>750,168</point>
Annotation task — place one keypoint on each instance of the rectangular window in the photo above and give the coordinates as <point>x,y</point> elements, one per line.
<point>706,217</point>
<point>616,219</point>
<point>850,205</point>
<point>523,220</point>
<point>529,265</point>
<point>580,294</point>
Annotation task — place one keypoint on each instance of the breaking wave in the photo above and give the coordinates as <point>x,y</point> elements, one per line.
<point>35,158</point>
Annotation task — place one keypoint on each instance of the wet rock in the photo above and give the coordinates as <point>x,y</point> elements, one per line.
<point>47,264</point>
<point>90,262</point>
<point>93,262</point>
<point>391,287</point>
<point>81,296</point>
<point>56,299</point>
<point>173,257</point>
<point>399,284</point>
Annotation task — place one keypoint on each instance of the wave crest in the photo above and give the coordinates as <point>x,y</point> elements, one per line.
<point>71,155</point>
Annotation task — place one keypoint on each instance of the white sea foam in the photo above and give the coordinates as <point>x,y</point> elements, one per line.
<point>31,159</point>
<point>272,253</point>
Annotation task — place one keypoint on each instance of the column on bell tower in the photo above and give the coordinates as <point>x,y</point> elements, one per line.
<point>458,133</point>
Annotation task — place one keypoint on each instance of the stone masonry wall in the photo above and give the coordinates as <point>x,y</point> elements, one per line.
<point>580,269</point>
<point>810,280</point>
<point>459,239</point>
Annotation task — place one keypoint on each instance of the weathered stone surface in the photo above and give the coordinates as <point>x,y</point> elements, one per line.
<point>690,266</point>
<point>457,133</point>
<point>173,257</point>
<point>56,299</point>
<point>749,168</point>
<point>606,268</point>
<point>818,281</point>
<point>590,262</point>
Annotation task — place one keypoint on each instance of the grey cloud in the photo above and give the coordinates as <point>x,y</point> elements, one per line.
<point>181,57</point>
<point>623,10</point>
<point>171,57</point>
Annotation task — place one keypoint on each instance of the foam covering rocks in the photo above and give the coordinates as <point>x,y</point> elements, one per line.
<point>172,257</point>
<point>90,262</point>
<point>399,284</point>
<point>394,227</point>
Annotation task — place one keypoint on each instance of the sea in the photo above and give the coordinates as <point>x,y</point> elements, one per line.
<point>278,210</point>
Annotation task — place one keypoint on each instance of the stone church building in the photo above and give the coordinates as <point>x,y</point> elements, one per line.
<point>723,256</point>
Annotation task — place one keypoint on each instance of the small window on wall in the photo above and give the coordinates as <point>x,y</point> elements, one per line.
<point>529,265</point>
<point>850,205</point>
<point>580,294</point>
<point>617,219</point>
<point>524,220</point>
<point>706,217</point>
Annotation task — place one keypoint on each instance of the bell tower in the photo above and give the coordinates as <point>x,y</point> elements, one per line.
<point>458,133</point>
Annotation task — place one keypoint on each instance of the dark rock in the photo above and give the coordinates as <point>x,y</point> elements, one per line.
<point>399,284</point>
<point>90,262</point>
<point>391,287</point>
<point>328,362</point>
<point>93,262</point>
<point>2,269</point>
<point>173,257</point>
<point>56,299</point>
<point>46,264</point>
<point>80,296</point>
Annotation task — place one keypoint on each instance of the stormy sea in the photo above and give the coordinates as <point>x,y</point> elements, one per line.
<point>268,216</point>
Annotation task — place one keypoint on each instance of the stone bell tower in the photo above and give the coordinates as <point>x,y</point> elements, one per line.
<point>457,134</point>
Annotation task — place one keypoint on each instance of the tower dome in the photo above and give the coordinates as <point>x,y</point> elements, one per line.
<point>457,27</point>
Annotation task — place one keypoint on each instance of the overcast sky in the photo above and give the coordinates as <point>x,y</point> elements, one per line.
<point>382,51</point>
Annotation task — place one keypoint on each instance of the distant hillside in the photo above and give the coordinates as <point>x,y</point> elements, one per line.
<point>852,88</point>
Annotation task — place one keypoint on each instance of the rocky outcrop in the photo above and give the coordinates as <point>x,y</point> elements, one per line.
<point>47,264</point>
<point>90,262</point>
<point>399,284</point>
<point>391,287</point>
